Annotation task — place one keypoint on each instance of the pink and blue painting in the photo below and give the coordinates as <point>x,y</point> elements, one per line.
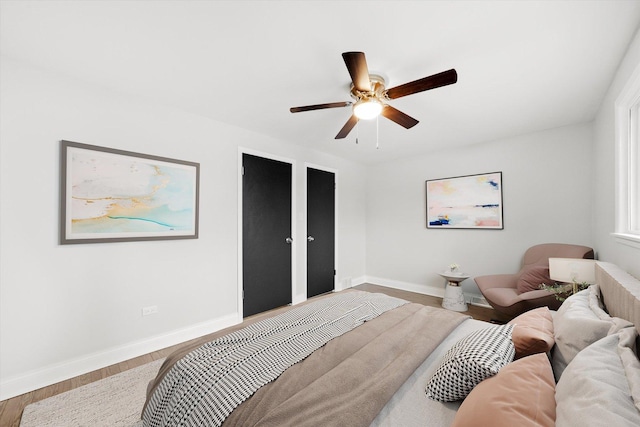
<point>472,201</point>
<point>115,195</point>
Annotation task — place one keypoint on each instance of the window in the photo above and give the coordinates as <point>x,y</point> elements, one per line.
<point>628,163</point>
<point>634,173</point>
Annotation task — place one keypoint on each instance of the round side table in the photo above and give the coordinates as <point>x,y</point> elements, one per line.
<point>453,295</point>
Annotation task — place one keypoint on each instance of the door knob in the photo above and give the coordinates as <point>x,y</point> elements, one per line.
<point>289,240</point>
<point>310,239</point>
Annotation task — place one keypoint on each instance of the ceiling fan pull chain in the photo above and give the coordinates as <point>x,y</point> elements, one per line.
<point>357,131</point>
<point>377,133</point>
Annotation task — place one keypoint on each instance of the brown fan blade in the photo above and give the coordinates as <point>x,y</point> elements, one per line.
<point>437,80</point>
<point>399,117</point>
<point>358,70</point>
<point>347,127</point>
<point>319,106</point>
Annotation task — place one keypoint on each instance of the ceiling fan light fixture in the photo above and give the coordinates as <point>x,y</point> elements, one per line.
<point>367,108</point>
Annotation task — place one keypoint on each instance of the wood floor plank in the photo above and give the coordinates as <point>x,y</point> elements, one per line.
<point>11,409</point>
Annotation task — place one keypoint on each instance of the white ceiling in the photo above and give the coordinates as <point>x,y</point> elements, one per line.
<point>522,66</point>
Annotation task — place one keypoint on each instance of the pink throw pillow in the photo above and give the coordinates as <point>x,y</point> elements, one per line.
<point>522,394</point>
<point>532,277</point>
<point>533,332</point>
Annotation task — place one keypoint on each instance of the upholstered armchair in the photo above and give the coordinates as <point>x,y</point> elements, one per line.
<point>513,294</point>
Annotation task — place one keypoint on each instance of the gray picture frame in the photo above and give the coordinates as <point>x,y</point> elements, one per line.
<point>111,195</point>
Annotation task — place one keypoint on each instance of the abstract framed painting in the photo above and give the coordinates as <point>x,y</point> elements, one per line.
<point>109,195</point>
<point>471,201</point>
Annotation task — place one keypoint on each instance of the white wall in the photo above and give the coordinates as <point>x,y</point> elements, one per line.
<point>66,310</point>
<point>610,249</point>
<point>546,195</point>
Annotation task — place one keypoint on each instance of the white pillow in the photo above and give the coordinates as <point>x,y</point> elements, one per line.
<point>579,322</point>
<point>474,358</point>
<point>597,386</point>
<point>630,362</point>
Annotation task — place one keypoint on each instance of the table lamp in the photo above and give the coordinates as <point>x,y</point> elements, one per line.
<point>573,270</point>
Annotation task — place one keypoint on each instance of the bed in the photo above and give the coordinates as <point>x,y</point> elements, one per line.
<point>355,358</point>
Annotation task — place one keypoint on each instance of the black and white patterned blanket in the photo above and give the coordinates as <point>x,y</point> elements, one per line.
<point>206,385</point>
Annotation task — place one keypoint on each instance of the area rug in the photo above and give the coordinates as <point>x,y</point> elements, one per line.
<point>113,401</point>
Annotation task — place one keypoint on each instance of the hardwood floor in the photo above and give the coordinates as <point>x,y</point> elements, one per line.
<point>11,409</point>
<point>477,312</point>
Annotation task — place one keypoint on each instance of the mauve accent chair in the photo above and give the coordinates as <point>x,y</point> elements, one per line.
<point>501,290</point>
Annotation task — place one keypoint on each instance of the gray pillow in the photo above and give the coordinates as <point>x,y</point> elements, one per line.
<point>599,385</point>
<point>579,322</point>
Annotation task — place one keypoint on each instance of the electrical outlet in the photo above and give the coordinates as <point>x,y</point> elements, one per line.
<point>152,309</point>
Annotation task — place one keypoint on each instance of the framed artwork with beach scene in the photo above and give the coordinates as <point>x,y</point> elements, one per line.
<point>110,195</point>
<point>472,201</point>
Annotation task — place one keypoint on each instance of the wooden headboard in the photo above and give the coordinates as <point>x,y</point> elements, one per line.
<point>620,292</point>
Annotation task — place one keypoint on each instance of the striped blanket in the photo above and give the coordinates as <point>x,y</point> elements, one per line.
<point>206,385</point>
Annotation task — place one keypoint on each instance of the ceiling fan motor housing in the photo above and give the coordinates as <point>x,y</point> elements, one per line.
<point>378,89</point>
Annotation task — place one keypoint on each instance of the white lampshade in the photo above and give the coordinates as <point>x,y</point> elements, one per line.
<point>568,270</point>
<point>367,108</point>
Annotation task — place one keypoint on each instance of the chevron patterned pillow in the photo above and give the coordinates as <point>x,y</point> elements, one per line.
<point>474,358</point>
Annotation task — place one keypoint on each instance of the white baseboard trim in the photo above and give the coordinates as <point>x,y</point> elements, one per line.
<point>358,281</point>
<point>435,291</point>
<point>425,289</point>
<point>38,378</point>
<point>297,299</point>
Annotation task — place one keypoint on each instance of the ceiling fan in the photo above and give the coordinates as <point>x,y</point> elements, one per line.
<point>371,96</point>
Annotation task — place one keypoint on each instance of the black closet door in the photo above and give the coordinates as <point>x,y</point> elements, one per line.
<point>321,226</point>
<point>266,234</point>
